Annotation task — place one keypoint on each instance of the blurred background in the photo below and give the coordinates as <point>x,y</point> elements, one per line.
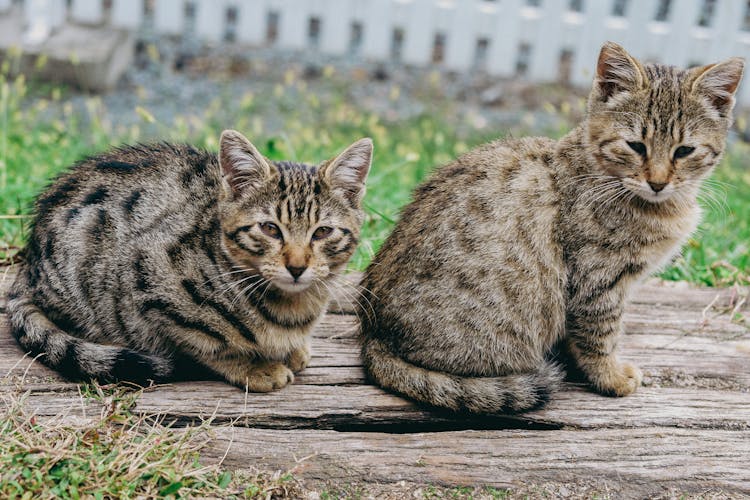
<point>426,79</point>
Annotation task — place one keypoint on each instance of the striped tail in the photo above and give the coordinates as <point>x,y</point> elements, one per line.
<point>73,357</point>
<point>507,394</point>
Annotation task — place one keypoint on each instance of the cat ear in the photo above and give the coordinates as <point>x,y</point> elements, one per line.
<point>719,82</point>
<point>617,71</point>
<point>347,172</point>
<point>242,165</point>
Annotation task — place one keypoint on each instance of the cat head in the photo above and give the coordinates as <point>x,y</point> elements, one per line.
<point>658,129</point>
<point>292,223</point>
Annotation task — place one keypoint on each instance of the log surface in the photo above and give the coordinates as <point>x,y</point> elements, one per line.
<point>686,430</point>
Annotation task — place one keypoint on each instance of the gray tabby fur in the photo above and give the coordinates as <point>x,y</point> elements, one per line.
<point>522,244</point>
<point>156,261</point>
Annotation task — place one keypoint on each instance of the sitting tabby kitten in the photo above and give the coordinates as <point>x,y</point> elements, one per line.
<point>152,255</point>
<point>523,243</point>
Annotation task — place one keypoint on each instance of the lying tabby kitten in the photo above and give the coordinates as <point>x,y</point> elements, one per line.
<point>522,243</point>
<point>151,255</point>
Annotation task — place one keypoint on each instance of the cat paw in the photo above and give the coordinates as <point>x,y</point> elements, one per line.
<point>298,359</point>
<point>622,380</point>
<point>268,377</point>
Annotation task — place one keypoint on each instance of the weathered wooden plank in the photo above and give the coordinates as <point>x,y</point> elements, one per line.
<point>674,361</point>
<point>310,404</point>
<point>367,407</point>
<point>660,356</point>
<point>637,464</point>
<point>688,428</point>
<point>684,367</point>
<point>356,406</point>
<point>46,398</point>
<point>640,318</point>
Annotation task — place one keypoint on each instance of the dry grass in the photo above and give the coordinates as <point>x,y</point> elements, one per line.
<point>116,454</point>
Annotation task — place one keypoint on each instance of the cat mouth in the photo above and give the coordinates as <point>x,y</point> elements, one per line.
<point>291,286</point>
<point>652,197</point>
<point>647,194</point>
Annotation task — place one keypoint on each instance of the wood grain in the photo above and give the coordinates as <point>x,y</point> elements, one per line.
<point>687,429</point>
<point>639,463</point>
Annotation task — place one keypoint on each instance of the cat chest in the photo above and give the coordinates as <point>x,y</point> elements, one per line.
<point>598,270</point>
<point>656,252</point>
<point>655,247</point>
<point>643,243</point>
<point>277,342</point>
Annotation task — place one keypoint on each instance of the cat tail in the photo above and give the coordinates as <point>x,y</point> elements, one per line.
<point>75,358</point>
<point>512,393</point>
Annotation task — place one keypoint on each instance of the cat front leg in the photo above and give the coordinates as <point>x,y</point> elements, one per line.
<point>255,375</point>
<point>299,358</point>
<point>594,326</point>
<point>607,374</point>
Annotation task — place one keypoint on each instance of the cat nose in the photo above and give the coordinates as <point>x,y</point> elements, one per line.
<point>657,186</point>
<point>295,271</point>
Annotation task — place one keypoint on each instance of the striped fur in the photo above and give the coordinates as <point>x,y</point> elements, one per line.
<point>522,245</point>
<point>150,258</point>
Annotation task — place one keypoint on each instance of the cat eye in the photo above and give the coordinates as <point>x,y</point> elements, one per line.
<point>638,147</point>
<point>683,151</point>
<point>271,229</point>
<point>322,232</point>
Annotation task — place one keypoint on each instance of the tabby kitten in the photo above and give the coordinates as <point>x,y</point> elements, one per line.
<point>150,256</point>
<point>520,244</point>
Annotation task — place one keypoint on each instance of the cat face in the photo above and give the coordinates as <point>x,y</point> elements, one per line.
<point>294,225</point>
<point>657,129</point>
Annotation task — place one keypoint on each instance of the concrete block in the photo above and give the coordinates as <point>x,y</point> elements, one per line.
<point>88,57</point>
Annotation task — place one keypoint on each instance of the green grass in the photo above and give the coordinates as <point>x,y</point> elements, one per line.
<point>719,253</point>
<point>41,134</point>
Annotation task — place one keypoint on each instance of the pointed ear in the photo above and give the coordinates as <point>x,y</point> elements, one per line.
<point>617,71</point>
<point>347,172</point>
<point>242,165</point>
<point>719,82</point>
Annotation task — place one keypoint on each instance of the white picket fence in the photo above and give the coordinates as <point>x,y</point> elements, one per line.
<point>540,40</point>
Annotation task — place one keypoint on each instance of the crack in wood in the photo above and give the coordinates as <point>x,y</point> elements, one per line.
<point>687,428</point>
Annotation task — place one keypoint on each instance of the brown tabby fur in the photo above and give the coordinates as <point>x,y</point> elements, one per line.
<point>521,244</point>
<point>152,262</point>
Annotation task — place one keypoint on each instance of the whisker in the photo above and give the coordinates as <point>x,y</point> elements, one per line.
<point>359,288</point>
<point>616,194</point>
<point>249,289</point>
<point>599,197</point>
<point>354,293</point>
<point>224,274</point>
<point>268,285</point>
<point>234,284</point>
<point>331,295</point>
<point>597,191</point>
